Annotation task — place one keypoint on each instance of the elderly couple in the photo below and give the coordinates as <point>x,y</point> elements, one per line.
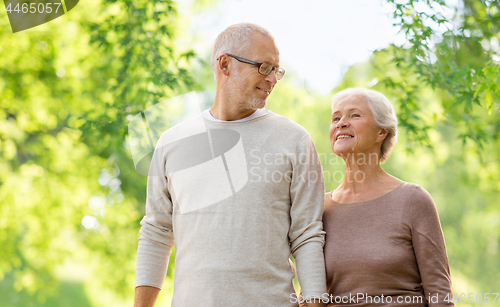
<point>373,241</point>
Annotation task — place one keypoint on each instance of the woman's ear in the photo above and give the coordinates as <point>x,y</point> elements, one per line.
<point>382,135</point>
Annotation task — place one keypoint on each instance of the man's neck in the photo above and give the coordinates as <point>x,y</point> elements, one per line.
<point>228,111</point>
<point>229,115</point>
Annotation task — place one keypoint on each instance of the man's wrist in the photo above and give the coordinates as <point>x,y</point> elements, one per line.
<point>312,302</point>
<point>145,296</point>
<point>316,303</point>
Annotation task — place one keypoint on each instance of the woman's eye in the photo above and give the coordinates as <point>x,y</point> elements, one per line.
<point>355,115</point>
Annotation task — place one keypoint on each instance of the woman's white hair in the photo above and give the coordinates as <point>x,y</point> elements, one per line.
<point>235,39</point>
<point>383,113</point>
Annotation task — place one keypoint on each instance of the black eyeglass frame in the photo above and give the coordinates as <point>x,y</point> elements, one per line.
<point>280,72</point>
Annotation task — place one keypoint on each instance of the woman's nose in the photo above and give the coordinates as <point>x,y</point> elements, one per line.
<point>342,123</point>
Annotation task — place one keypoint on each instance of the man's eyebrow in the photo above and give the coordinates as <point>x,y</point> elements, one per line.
<point>268,61</point>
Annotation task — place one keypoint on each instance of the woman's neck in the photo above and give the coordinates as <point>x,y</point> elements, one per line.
<point>364,180</point>
<point>358,176</point>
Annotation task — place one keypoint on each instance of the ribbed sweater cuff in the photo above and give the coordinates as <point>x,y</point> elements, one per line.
<point>152,263</point>
<point>311,269</point>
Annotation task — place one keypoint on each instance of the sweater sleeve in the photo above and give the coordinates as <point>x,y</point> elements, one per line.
<point>306,233</point>
<point>430,250</point>
<point>156,234</point>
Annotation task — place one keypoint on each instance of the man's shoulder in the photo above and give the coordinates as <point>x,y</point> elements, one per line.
<point>287,125</point>
<point>186,128</point>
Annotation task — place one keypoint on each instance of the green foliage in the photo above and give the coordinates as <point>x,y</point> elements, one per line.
<point>65,94</point>
<point>458,56</point>
<point>67,294</point>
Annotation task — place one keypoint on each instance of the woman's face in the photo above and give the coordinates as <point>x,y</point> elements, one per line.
<point>353,129</point>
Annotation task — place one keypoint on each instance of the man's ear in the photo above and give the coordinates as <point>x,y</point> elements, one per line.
<point>223,64</point>
<point>382,135</point>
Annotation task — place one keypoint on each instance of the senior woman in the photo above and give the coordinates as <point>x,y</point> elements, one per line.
<point>384,244</point>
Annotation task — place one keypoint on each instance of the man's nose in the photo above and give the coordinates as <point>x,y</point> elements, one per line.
<point>272,77</point>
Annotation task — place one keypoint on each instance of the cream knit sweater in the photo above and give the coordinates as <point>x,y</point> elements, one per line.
<point>239,198</point>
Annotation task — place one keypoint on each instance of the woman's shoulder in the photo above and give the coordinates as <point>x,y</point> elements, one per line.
<point>419,200</point>
<point>415,191</point>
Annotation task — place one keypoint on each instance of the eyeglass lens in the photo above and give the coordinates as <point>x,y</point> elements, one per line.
<point>266,69</point>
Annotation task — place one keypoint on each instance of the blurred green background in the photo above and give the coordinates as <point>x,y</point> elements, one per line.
<point>71,201</point>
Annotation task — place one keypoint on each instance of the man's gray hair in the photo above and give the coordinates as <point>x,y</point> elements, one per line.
<point>235,39</point>
<point>383,113</point>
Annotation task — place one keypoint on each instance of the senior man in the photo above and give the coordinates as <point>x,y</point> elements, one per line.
<point>239,195</point>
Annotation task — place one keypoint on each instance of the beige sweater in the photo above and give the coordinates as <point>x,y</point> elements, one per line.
<point>392,246</point>
<point>239,198</point>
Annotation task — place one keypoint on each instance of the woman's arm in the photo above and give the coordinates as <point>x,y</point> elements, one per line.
<point>430,250</point>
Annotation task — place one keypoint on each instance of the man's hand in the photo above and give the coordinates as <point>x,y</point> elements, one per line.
<point>312,303</point>
<point>316,303</point>
<point>145,296</point>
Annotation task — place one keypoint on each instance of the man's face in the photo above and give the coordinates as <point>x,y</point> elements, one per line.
<point>246,85</point>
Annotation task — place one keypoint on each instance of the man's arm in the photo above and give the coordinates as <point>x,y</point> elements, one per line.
<point>145,296</point>
<point>157,237</point>
<point>306,230</point>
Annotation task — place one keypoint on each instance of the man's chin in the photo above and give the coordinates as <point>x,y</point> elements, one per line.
<point>258,104</point>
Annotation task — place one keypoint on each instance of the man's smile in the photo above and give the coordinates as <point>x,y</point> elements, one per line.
<point>265,91</point>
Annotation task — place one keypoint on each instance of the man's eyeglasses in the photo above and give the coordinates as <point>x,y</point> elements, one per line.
<point>264,68</point>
